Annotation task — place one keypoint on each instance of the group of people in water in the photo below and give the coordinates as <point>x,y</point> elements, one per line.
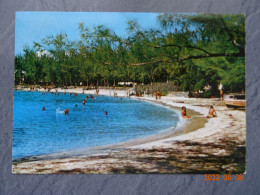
<point>212,113</point>
<point>66,111</point>
<point>84,101</point>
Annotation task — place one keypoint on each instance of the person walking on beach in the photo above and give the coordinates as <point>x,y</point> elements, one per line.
<point>212,113</point>
<point>156,95</point>
<point>221,94</point>
<point>184,113</point>
<point>159,94</point>
<point>196,94</point>
<point>97,90</point>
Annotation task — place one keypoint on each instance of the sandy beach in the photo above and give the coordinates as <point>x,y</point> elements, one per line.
<point>214,145</point>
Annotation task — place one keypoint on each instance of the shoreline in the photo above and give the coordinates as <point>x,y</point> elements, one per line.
<point>183,126</point>
<point>117,161</point>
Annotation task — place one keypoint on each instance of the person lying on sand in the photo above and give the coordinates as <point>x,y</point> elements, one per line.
<point>212,113</point>
<point>183,113</point>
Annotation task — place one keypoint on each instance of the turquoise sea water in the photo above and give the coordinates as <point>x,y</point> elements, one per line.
<point>37,132</point>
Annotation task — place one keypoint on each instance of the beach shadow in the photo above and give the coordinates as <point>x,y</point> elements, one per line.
<point>196,159</point>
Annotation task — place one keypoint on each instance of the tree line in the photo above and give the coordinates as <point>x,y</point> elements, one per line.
<point>194,51</point>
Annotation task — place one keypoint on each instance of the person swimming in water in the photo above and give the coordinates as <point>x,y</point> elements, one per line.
<point>43,108</point>
<point>184,113</point>
<point>106,113</point>
<point>83,102</point>
<point>66,111</point>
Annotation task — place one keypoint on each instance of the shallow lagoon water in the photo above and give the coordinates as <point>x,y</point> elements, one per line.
<point>37,132</point>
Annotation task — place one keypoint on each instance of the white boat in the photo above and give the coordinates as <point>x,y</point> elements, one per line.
<point>235,100</point>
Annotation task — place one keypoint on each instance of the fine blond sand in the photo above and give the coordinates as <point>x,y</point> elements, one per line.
<point>214,145</point>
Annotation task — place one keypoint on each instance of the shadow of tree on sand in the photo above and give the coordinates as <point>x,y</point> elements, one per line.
<point>193,157</point>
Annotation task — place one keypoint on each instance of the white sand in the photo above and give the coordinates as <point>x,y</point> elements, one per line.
<point>217,126</point>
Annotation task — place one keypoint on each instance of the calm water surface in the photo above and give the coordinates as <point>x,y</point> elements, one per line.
<point>37,132</point>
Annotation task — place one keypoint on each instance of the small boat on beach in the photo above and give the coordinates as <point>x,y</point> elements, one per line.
<point>235,100</point>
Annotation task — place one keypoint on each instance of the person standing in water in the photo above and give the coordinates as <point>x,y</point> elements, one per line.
<point>184,113</point>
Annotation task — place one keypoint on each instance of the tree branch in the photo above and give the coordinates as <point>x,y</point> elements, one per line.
<point>187,46</point>
<point>211,56</point>
<point>144,63</point>
<point>192,57</point>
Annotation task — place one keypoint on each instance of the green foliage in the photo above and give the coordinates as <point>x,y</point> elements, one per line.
<point>164,94</point>
<point>191,50</point>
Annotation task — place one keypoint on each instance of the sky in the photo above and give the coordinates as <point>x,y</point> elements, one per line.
<point>32,27</point>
